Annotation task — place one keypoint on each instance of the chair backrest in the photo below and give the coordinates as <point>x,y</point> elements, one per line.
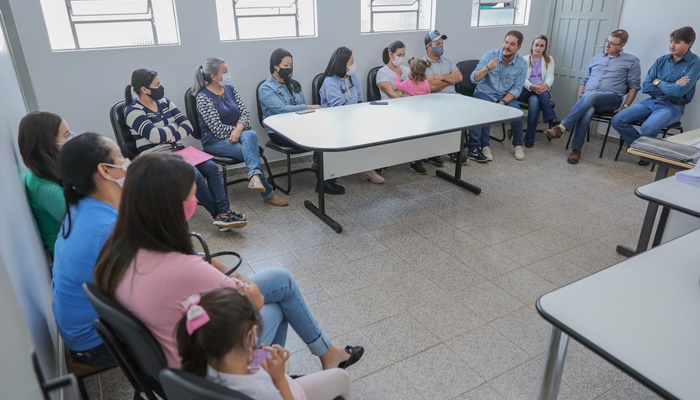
<point>373,93</point>
<point>316,89</point>
<point>466,87</point>
<point>191,112</point>
<point>138,342</point>
<point>122,132</point>
<point>257,100</point>
<point>181,385</point>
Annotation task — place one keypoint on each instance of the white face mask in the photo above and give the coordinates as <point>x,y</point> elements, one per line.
<point>352,69</point>
<point>225,79</point>
<point>397,61</point>
<point>123,167</point>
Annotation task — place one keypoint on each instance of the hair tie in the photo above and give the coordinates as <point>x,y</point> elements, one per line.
<point>196,315</point>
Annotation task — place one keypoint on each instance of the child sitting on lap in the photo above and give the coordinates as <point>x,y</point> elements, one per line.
<point>417,82</point>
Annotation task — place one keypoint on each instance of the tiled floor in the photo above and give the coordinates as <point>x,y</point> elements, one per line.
<point>439,284</point>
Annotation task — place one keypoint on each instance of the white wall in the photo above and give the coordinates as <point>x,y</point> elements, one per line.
<point>82,85</point>
<point>649,23</point>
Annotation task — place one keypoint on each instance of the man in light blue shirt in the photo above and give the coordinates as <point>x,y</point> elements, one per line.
<point>670,83</point>
<point>499,77</point>
<point>609,76</point>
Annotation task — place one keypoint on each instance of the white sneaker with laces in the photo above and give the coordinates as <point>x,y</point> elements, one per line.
<point>487,152</point>
<point>519,153</point>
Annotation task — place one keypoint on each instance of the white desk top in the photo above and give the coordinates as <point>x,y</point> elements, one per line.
<point>685,136</point>
<point>643,315</point>
<point>363,125</point>
<point>676,195</point>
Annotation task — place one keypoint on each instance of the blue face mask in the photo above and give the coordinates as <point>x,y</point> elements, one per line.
<point>72,136</point>
<point>438,51</point>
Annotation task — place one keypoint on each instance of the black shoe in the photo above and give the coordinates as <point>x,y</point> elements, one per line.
<point>554,123</point>
<point>477,155</point>
<point>643,162</point>
<point>230,220</point>
<point>453,157</point>
<point>355,352</point>
<point>436,161</point>
<point>529,144</point>
<point>418,168</point>
<point>330,187</point>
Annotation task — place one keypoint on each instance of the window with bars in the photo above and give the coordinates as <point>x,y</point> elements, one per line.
<point>93,24</point>
<point>397,15</point>
<point>263,19</point>
<point>494,13</point>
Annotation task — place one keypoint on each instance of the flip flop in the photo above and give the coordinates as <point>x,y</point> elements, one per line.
<point>355,352</point>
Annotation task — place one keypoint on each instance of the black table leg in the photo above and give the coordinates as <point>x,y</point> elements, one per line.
<point>320,211</point>
<point>457,178</point>
<point>661,227</point>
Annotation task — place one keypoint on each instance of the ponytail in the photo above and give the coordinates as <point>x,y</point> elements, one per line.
<point>385,56</point>
<point>202,75</point>
<point>393,47</point>
<point>128,96</point>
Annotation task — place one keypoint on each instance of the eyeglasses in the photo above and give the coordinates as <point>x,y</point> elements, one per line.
<point>611,43</point>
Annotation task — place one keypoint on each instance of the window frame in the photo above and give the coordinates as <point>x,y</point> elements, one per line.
<point>514,7</point>
<point>374,10</point>
<point>294,7</point>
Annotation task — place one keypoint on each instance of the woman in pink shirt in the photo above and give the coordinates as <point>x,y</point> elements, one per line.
<point>149,266</point>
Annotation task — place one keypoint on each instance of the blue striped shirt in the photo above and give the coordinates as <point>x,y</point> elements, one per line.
<point>616,74</point>
<point>159,130</point>
<point>669,71</point>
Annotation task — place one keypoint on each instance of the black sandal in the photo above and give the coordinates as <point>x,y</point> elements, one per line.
<point>355,352</point>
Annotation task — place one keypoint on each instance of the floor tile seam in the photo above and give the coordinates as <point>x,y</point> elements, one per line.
<point>612,388</point>
<point>504,335</point>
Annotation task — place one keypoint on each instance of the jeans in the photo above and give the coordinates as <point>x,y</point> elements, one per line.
<point>656,114</point>
<point>284,306</point>
<point>247,150</point>
<point>579,118</point>
<point>211,192</point>
<point>97,356</point>
<point>535,103</point>
<point>479,137</point>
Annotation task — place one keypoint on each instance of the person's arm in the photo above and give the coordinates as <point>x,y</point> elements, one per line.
<point>50,196</point>
<point>549,74</point>
<point>517,87</point>
<point>275,103</point>
<point>252,290</point>
<point>587,75</point>
<point>483,68</point>
<point>399,84</point>
<point>684,84</point>
<point>207,110</point>
<point>274,365</point>
<point>453,77</point>
<point>184,126</point>
<point>358,85</point>
<point>388,90</point>
<point>437,82</point>
<point>244,118</point>
<point>332,94</point>
<point>631,94</point>
<point>581,88</point>
<point>142,126</point>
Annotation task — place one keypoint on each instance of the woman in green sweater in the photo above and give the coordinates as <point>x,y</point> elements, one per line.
<point>41,135</point>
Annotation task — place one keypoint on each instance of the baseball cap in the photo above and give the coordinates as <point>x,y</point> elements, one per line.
<point>434,36</point>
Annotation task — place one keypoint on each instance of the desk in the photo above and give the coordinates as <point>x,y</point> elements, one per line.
<point>640,315</point>
<point>360,137</point>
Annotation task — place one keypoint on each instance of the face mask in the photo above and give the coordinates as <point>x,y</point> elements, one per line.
<point>190,206</point>
<point>157,94</point>
<point>397,61</point>
<point>352,69</point>
<point>72,136</point>
<point>123,167</point>
<point>225,79</point>
<point>437,51</point>
<point>285,74</point>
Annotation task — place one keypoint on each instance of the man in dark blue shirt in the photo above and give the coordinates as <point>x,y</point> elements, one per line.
<point>670,84</point>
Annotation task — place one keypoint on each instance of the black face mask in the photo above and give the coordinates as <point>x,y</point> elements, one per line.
<point>285,74</point>
<point>157,94</point>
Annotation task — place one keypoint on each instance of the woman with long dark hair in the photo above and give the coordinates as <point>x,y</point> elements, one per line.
<point>148,265</point>
<point>158,125</point>
<point>93,172</point>
<point>41,136</point>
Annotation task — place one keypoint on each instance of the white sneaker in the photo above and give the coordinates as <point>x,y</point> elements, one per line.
<point>372,176</point>
<point>487,152</point>
<point>519,153</point>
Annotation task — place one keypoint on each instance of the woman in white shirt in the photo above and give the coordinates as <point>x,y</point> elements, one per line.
<point>540,77</point>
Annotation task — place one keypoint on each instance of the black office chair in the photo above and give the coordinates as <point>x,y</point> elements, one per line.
<point>223,162</point>
<point>288,151</point>
<point>181,385</point>
<point>467,88</point>
<point>316,88</point>
<point>373,91</point>
<point>129,340</point>
<point>122,132</point>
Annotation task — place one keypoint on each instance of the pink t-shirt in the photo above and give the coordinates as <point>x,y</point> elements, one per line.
<point>411,88</point>
<point>155,285</point>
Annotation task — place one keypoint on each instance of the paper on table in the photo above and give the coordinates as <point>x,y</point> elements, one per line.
<point>691,176</point>
<point>693,142</point>
<point>193,155</point>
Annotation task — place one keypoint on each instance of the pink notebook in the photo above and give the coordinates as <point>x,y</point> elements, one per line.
<point>193,155</point>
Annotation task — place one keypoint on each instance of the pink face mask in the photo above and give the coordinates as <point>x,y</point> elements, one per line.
<point>190,207</point>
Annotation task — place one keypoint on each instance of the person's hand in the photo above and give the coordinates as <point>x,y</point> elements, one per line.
<point>235,134</point>
<point>274,365</point>
<point>492,64</point>
<point>312,106</point>
<point>684,80</point>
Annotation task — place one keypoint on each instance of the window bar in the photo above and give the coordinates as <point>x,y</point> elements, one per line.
<point>69,8</point>
<point>153,21</point>
<point>296,20</point>
<point>235,19</point>
<point>371,16</point>
<point>418,15</point>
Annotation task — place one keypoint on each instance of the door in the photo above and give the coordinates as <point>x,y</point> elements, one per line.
<point>578,32</point>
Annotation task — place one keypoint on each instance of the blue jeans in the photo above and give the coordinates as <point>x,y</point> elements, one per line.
<point>479,137</point>
<point>211,192</point>
<point>247,150</point>
<point>535,103</point>
<point>656,114</point>
<point>579,118</point>
<point>284,306</point>
<point>97,356</point>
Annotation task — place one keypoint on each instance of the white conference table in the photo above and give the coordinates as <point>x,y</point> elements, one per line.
<point>362,137</point>
<point>642,315</point>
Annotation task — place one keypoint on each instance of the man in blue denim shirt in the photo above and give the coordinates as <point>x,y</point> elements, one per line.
<point>670,83</point>
<point>499,77</point>
<point>609,76</point>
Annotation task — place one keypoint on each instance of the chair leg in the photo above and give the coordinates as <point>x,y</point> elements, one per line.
<point>83,391</point>
<point>273,182</point>
<point>568,142</point>
<point>267,164</point>
<point>503,126</point>
<point>619,149</point>
<point>605,140</point>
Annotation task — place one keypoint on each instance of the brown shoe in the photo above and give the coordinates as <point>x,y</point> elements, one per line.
<point>554,132</point>
<point>574,156</point>
<point>277,200</point>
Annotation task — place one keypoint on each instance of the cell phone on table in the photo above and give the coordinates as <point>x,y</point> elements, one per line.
<point>379,103</point>
<point>309,110</point>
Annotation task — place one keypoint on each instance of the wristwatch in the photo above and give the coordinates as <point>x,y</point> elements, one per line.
<point>656,82</point>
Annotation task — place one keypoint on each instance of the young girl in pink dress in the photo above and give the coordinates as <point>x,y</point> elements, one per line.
<point>417,82</point>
